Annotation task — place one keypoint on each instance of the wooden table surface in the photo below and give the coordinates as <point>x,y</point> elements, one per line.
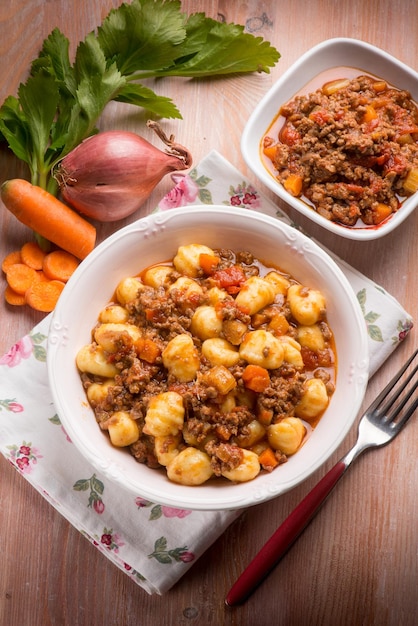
<point>356,564</point>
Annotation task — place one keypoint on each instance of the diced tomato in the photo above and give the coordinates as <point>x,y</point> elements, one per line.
<point>353,188</point>
<point>396,163</point>
<point>320,117</point>
<point>312,359</point>
<point>289,135</point>
<point>230,278</point>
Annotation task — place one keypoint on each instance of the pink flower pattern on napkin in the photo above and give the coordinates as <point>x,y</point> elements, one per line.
<point>11,405</point>
<point>110,540</point>
<point>95,487</point>
<point>184,192</point>
<point>21,350</point>
<point>158,510</point>
<point>244,196</point>
<point>167,556</point>
<point>24,456</point>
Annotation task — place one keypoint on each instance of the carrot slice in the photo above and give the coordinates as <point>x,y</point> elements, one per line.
<point>59,265</point>
<point>43,295</point>
<point>13,298</point>
<point>20,277</point>
<point>11,259</point>
<point>42,275</point>
<point>32,254</point>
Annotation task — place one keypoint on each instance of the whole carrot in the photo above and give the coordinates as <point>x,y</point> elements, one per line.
<point>49,217</point>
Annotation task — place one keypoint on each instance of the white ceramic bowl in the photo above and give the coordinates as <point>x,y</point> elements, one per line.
<point>333,53</point>
<point>157,238</point>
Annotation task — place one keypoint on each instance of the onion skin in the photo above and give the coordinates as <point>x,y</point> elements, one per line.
<point>110,175</point>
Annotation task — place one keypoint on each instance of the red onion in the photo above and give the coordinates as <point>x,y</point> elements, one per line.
<point>110,175</point>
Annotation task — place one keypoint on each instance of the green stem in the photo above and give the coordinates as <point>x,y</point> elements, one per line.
<point>42,180</point>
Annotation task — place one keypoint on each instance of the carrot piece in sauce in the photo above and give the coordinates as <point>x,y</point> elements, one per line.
<point>256,378</point>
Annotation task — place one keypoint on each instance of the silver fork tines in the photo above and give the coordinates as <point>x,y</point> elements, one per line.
<point>387,408</point>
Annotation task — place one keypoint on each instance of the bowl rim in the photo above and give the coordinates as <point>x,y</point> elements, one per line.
<point>223,498</point>
<point>254,129</point>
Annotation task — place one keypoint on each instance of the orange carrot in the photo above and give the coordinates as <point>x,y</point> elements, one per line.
<point>293,184</point>
<point>369,113</point>
<point>59,265</point>
<point>208,263</point>
<point>42,275</point>
<point>278,324</point>
<point>43,295</point>
<point>13,298</point>
<point>32,255</point>
<point>147,350</point>
<point>49,217</point>
<point>265,416</point>
<point>20,277</point>
<point>270,152</point>
<point>268,460</point>
<point>256,378</point>
<point>381,212</point>
<point>11,259</point>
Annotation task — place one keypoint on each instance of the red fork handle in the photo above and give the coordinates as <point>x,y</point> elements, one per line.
<point>283,538</point>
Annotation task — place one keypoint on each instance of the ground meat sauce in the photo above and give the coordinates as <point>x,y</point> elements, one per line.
<point>349,149</point>
<point>217,428</point>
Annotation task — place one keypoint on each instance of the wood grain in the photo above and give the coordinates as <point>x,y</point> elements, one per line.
<point>356,564</point>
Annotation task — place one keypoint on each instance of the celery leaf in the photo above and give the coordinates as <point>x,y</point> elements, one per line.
<point>97,84</point>
<point>138,95</point>
<point>143,35</point>
<point>215,48</point>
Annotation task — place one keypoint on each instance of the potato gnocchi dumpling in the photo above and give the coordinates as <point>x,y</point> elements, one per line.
<point>314,399</point>
<point>165,414</point>
<point>306,305</point>
<point>190,467</point>
<point>215,365</point>
<point>181,358</point>
<point>286,435</point>
<point>123,430</point>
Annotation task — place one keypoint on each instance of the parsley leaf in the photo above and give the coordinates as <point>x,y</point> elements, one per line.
<point>61,102</point>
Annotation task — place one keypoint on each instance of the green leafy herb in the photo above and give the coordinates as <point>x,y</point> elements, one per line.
<point>61,102</point>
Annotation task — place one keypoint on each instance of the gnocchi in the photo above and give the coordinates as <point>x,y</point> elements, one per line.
<point>165,415</point>
<point>190,467</point>
<point>286,435</point>
<point>255,294</point>
<point>307,305</point>
<point>248,469</point>
<point>314,400</point>
<point>181,358</point>
<point>123,430</point>
<point>205,323</point>
<point>203,363</point>
<point>261,347</point>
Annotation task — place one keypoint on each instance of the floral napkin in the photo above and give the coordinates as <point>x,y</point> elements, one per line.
<point>153,544</point>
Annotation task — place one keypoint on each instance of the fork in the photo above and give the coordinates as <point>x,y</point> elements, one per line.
<point>379,425</point>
